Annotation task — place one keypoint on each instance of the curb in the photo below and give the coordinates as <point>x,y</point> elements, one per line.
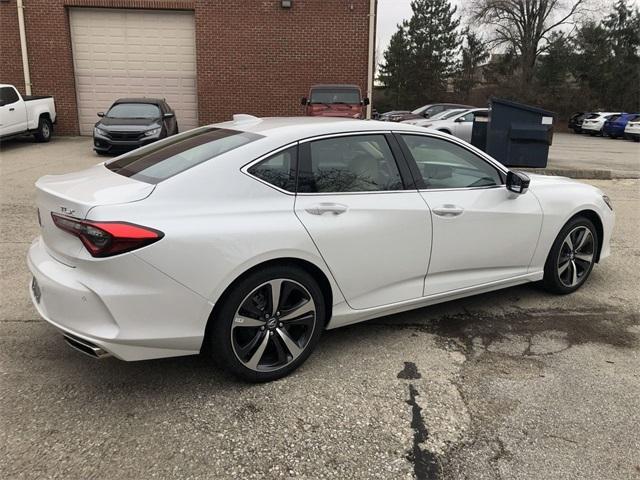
<point>584,174</point>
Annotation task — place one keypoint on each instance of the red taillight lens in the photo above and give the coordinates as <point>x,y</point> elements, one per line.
<point>104,239</point>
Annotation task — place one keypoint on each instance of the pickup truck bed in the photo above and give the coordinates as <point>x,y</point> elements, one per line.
<point>28,98</point>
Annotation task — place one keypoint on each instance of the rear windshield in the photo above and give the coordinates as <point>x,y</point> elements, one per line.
<point>176,154</point>
<point>337,95</point>
<point>134,110</point>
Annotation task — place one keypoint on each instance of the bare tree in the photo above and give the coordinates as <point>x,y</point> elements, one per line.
<point>524,26</point>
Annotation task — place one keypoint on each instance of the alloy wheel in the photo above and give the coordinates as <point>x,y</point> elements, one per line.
<point>273,325</point>
<point>576,256</point>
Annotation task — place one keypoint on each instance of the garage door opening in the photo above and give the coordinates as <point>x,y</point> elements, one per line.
<point>133,53</point>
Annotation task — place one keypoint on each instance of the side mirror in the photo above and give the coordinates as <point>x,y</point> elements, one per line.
<point>101,114</point>
<point>169,115</point>
<point>517,182</point>
<point>365,101</point>
<point>304,101</point>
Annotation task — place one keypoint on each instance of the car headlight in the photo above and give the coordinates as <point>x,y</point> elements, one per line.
<point>99,131</point>
<point>152,132</point>
<point>607,200</point>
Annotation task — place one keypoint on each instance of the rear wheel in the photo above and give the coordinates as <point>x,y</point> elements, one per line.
<point>45,128</point>
<point>572,256</point>
<point>269,324</point>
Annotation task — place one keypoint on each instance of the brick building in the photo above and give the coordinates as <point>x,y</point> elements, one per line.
<point>208,58</point>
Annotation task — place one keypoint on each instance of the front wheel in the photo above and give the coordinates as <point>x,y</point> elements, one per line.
<point>45,128</point>
<point>269,324</point>
<point>572,256</point>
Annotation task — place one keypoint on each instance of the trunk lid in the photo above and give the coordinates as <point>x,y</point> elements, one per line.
<point>74,195</point>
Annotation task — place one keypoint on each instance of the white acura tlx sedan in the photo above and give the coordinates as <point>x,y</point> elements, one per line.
<point>247,239</point>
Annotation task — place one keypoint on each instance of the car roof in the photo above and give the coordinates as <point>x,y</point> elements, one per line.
<point>290,129</point>
<point>334,85</point>
<point>154,101</point>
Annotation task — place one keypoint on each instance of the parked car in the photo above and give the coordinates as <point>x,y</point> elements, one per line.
<point>615,125</point>
<point>575,121</point>
<point>459,124</point>
<point>632,130</point>
<point>26,115</point>
<point>438,116</point>
<point>335,101</point>
<point>133,122</point>
<point>393,115</point>
<point>428,111</point>
<point>593,123</point>
<point>249,238</point>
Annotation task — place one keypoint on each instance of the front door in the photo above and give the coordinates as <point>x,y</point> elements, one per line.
<point>482,232</point>
<point>13,115</point>
<point>374,235</point>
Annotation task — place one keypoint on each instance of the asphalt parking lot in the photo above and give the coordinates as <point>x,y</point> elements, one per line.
<point>516,384</point>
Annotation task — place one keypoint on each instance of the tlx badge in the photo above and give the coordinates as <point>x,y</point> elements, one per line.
<point>67,211</point>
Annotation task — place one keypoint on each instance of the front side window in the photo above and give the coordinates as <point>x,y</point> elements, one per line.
<point>358,163</point>
<point>443,164</point>
<point>134,110</point>
<point>278,170</point>
<point>169,157</point>
<point>467,118</point>
<point>8,96</point>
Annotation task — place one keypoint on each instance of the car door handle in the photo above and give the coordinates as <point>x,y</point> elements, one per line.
<point>322,208</point>
<point>11,109</point>
<point>448,211</point>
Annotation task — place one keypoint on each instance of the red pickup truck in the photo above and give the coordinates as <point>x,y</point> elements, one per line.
<point>335,101</point>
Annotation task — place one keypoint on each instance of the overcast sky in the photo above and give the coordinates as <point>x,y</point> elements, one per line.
<point>393,12</point>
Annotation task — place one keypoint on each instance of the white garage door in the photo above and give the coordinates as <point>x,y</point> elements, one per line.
<point>133,53</point>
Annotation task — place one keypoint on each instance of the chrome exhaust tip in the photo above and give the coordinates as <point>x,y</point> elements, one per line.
<point>85,346</point>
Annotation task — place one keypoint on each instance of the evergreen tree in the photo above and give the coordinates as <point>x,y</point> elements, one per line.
<point>623,32</point>
<point>434,44</point>
<point>395,70</point>
<point>554,66</point>
<point>474,54</point>
<point>421,57</point>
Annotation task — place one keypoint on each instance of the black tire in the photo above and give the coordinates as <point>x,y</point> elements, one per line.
<point>219,334</point>
<point>44,131</point>
<point>552,280</point>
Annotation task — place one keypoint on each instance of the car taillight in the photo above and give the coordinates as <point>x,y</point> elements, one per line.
<point>104,239</point>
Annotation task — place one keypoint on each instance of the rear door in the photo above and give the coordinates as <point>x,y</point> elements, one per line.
<point>373,232</point>
<point>482,233</point>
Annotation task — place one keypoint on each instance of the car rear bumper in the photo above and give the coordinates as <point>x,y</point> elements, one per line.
<point>127,309</point>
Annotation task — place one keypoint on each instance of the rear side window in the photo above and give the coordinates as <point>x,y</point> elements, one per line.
<point>178,153</point>
<point>8,96</point>
<point>359,163</point>
<point>278,170</point>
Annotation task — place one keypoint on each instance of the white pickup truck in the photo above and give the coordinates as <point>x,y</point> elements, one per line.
<point>25,115</point>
